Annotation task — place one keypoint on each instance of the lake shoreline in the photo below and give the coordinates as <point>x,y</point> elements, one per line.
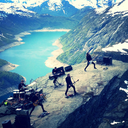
<point>51,62</point>
<point>8,67</point>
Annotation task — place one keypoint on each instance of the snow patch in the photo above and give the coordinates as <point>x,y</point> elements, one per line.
<point>119,8</point>
<point>100,10</point>
<point>114,122</point>
<point>117,47</point>
<point>13,8</point>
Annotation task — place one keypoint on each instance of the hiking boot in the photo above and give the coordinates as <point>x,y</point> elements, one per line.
<point>85,70</point>
<point>75,93</point>
<point>44,111</point>
<point>55,86</point>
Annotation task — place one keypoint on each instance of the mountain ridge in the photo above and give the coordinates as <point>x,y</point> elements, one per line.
<point>60,7</point>
<point>94,31</point>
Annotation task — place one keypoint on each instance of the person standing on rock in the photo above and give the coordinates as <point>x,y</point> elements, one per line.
<point>89,60</point>
<point>69,84</point>
<point>35,101</point>
<point>54,72</point>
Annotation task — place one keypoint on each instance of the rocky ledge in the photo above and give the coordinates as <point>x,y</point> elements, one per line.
<point>107,110</point>
<point>100,103</point>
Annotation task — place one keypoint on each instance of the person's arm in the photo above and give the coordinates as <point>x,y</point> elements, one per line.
<point>25,85</point>
<point>66,80</point>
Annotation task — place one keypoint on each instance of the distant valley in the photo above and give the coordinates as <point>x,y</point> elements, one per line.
<point>98,25</point>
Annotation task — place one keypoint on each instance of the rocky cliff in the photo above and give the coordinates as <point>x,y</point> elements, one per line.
<point>107,110</point>
<point>99,104</point>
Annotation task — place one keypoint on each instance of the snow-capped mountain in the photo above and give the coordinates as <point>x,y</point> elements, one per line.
<point>93,3</point>
<point>14,8</point>
<point>76,3</point>
<point>62,7</point>
<point>119,8</point>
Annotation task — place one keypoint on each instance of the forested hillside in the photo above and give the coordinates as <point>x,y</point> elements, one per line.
<point>3,62</point>
<point>95,31</point>
<point>11,25</point>
<point>8,81</point>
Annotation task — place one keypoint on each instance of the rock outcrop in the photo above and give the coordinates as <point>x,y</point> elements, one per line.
<point>107,110</point>
<point>99,103</point>
<point>91,86</point>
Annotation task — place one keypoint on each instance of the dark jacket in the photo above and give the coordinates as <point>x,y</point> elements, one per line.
<point>21,85</point>
<point>54,71</point>
<point>88,57</point>
<point>68,80</point>
<point>35,98</point>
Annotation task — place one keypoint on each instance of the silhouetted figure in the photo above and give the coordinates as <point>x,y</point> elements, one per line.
<point>54,72</point>
<point>35,100</point>
<point>21,86</point>
<point>69,84</point>
<point>89,59</point>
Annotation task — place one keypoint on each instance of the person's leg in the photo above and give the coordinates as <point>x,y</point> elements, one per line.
<point>66,90</point>
<point>94,65</point>
<point>33,107</point>
<point>58,82</point>
<point>42,107</point>
<point>74,89</point>
<point>86,66</point>
<point>55,78</point>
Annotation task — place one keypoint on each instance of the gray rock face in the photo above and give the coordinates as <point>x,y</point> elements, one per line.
<point>99,103</point>
<point>107,110</point>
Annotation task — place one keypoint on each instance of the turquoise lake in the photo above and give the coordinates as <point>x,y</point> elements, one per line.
<point>32,55</point>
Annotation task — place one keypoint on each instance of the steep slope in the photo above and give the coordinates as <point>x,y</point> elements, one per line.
<point>96,30</point>
<point>107,110</point>
<point>82,12</point>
